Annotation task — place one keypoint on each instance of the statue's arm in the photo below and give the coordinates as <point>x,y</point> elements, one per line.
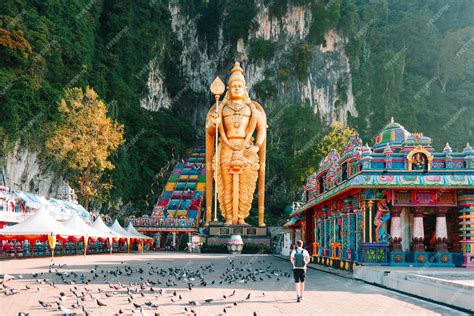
<point>210,121</point>
<point>261,129</point>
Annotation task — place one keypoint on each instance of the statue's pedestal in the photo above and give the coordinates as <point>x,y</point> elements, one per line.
<point>256,239</point>
<point>216,223</point>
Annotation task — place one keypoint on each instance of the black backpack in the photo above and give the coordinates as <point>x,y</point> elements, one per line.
<point>299,259</point>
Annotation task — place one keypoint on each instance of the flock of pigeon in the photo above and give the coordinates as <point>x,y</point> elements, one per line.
<point>157,286</point>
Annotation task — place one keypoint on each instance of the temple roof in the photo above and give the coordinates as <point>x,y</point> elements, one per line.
<point>352,149</point>
<point>393,134</point>
<point>468,150</point>
<point>447,181</point>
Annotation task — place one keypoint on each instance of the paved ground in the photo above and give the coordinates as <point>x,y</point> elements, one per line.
<point>272,293</point>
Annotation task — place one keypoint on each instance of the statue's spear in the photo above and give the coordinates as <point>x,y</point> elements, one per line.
<point>217,89</point>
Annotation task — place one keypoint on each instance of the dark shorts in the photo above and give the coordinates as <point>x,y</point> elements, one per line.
<point>299,275</point>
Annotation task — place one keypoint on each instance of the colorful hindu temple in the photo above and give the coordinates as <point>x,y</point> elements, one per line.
<point>16,205</point>
<point>178,209</point>
<point>399,203</point>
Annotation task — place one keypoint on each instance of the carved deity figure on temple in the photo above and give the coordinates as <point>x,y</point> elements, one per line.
<point>242,129</point>
<point>419,161</point>
<point>382,215</point>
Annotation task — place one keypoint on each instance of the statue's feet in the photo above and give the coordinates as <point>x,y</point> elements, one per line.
<point>228,222</point>
<point>242,222</point>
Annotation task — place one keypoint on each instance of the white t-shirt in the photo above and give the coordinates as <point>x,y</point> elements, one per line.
<point>305,255</point>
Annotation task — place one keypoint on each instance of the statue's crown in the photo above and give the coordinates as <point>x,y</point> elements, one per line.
<point>237,73</point>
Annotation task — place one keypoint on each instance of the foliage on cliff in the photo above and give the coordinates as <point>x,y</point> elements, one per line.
<point>412,60</point>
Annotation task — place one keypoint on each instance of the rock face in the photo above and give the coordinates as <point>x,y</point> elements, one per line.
<point>157,96</point>
<point>328,65</point>
<point>24,171</point>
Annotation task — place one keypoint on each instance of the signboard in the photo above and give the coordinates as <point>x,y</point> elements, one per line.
<point>424,198</point>
<point>402,198</point>
<point>447,198</point>
<point>165,229</point>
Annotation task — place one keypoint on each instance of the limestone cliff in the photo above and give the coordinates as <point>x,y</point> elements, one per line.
<point>328,64</point>
<point>24,171</point>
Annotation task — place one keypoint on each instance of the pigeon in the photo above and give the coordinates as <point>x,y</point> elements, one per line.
<point>10,292</point>
<point>44,304</point>
<point>86,313</point>
<point>8,277</point>
<point>76,305</point>
<point>208,300</point>
<point>248,297</point>
<point>137,305</point>
<point>65,311</point>
<point>100,303</point>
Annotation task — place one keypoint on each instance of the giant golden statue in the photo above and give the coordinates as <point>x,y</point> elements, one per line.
<point>240,157</point>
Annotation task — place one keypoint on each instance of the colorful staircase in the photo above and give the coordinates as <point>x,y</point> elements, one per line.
<point>183,194</point>
<point>180,203</point>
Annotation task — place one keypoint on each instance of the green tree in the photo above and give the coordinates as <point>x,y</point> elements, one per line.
<point>326,16</point>
<point>293,134</point>
<point>239,19</point>
<point>456,56</point>
<point>261,49</point>
<point>300,60</point>
<point>336,138</point>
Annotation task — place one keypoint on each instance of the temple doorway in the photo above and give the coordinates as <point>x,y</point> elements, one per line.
<point>429,229</point>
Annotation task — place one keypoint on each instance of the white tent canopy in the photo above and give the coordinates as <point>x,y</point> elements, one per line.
<point>120,230</point>
<point>100,226</point>
<point>75,222</point>
<point>40,223</point>
<point>133,231</point>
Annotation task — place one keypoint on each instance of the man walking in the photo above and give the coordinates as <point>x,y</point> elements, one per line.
<point>299,258</point>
